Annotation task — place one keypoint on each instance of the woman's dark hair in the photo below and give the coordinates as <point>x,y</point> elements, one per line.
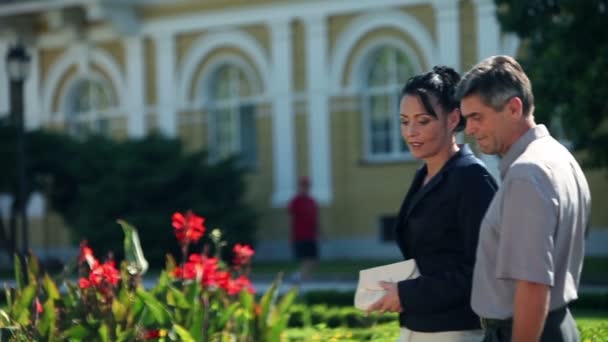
<point>440,83</point>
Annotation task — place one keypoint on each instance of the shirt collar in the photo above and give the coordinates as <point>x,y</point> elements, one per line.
<point>520,146</point>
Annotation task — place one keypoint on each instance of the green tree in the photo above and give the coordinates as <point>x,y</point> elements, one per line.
<point>565,53</point>
<point>93,182</point>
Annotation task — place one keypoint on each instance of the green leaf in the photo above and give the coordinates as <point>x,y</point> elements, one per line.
<point>158,311</point>
<point>134,254</point>
<point>33,268</point>
<point>119,310</point>
<point>77,332</point>
<point>46,325</point>
<point>177,298</point>
<point>50,287</point>
<point>5,320</point>
<point>104,332</point>
<point>8,296</point>
<point>183,334</point>
<point>225,315</point>
<point>18,271</point>
<point>23,304</point>
<point>266,304</point>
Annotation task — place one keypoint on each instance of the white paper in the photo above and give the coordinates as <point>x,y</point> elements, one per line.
<point>368,288</point>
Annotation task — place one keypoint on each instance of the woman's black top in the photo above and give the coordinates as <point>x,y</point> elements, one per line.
<point>438,226</point>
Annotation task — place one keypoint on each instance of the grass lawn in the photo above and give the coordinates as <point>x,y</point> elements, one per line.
<point>588,321</point>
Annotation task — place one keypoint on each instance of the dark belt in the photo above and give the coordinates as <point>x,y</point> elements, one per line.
<point>491,323</point>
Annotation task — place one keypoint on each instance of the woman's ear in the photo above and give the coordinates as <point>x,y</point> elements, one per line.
<point>453,119</point>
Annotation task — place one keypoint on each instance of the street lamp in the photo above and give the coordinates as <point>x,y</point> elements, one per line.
<point>18,65</point>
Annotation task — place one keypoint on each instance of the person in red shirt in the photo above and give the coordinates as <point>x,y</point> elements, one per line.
<point>304,214</point>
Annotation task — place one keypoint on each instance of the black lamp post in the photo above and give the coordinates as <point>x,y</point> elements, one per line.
<point>18,65</point>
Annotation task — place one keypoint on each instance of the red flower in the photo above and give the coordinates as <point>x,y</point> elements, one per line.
<point>39,308</point>
<point>242,254</point>
<point>86,254</point>
<point>188,228</point>
<point>151,334</point>
<point>235,286</point>
<point>84,283</point>
<point>100,275</point>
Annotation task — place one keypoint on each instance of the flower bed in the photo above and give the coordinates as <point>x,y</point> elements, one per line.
<point>204,298</point>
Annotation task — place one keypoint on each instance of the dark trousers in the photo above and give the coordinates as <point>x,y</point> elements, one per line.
<point>559,327</point>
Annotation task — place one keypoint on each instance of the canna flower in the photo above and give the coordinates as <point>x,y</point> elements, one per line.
<point>242,254</point>
<point>86,254</point>
<point>188,228</point>
<point>39,308</point>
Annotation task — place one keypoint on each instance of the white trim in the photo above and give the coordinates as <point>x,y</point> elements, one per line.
<point>262,13</point>
<point>166,84</point>
<point>4,81</point>
<point>448,28</point>
<point>369,22</point>
<point>488,44</point>
<point>361,60</point>
<point>205,45</point>
<point>319,152</point>
<point>488,29</point>
<point>32,96</point>
<point>283,114</point>
<point>66,96</point>
<point>136,79</point>
<point>72,57</point>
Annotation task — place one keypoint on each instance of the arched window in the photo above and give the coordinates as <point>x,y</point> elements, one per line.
<point>384,74</point>
<point>232,116</point>
<point>89,106</point>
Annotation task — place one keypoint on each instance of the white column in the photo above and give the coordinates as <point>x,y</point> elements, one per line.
<point>318,109</point>
<point>135,99</point>
<point>488,29</point>
<point>488,44</point>
<point>165,84</point>
<point>32,103</point>
<point>448,30</point>
<point>4,96</point>
<point>283,113</point>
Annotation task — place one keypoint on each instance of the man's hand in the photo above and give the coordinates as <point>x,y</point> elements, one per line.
<point>389,302</point>
<point>530,308</point>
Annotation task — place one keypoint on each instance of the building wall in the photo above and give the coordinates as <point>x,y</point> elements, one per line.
<point>359,191</point>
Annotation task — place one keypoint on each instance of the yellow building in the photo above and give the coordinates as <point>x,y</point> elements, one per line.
<point>295,87</point>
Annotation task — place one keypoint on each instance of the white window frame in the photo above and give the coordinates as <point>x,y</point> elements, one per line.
<point>393,90</point>
<point>92,118</point>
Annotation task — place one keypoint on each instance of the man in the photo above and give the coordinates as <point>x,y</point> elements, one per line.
<point>304,230</point>
<point>531,243</point>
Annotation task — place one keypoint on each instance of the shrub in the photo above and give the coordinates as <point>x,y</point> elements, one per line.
<point>201,299</point>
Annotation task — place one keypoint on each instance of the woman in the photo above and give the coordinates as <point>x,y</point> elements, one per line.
<point>438,223</point>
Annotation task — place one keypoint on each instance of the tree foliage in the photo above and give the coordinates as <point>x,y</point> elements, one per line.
<point>94,182</point>
<point>565,53</point>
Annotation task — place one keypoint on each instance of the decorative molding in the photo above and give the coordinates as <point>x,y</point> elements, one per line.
<point>369,22</point>
<point>73,57</point>
<point>361,60</point>
<point>205,45</point>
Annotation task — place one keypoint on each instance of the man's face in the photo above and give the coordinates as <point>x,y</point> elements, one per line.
<point>488,126</point>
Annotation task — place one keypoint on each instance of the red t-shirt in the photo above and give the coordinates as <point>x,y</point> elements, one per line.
<point>304,215</point>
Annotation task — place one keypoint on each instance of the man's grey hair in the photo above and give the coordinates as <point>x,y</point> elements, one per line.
<point>496,80</point>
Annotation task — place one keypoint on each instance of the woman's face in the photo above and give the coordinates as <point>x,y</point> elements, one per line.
<point>425,134</point>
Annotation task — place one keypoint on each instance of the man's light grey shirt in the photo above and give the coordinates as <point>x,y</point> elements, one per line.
<point>534,228</point>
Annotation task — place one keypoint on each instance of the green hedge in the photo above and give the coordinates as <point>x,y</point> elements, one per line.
<point>592,301</point>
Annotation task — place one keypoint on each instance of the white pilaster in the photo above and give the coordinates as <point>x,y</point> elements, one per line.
<point>4,99</point>
<point>318,108</point>
<point>135,87</point>
<point>32,92</point>
<point>488,29</point>
<point>448,30</point>
<point>488,44</point>
<point>165,83</point>
<point>82,55</point>
<point>283,113</point>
